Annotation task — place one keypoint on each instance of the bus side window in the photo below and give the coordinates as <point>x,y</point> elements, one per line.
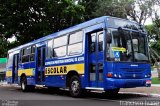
<point>26,54</point>
<point>50,49</point>
<point>75,43</point>
<point>32,55</point>
<point>93,43</point>
<point>60,46</point>
<point>10,59</point>
<point>20,57</point>
<point>100,42</point>
<point>39,57</point>
<point>92,72</point>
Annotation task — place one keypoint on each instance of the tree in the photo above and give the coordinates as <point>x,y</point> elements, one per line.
<point>153,32</point>
<point>116,8</point>
<point>140,10</point>
<point>137,10</point>
<point>3,47</point>
<point>89,6</point>
<point>28,20</point>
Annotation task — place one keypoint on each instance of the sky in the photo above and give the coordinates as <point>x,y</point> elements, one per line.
<point>157,9</point>
<point>148,21</point>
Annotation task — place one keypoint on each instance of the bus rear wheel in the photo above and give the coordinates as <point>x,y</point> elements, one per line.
<point>24,86</point>
<point>75,86</point>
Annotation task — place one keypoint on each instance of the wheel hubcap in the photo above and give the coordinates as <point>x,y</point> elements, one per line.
<point>75,86</point>
<point>23,85</point>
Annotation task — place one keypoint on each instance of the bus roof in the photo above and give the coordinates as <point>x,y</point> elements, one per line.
<point>65,31</point>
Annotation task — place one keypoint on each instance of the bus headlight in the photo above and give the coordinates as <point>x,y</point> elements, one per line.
<point>147,76</point>
<point>115,75</point>
<point>119,76</point>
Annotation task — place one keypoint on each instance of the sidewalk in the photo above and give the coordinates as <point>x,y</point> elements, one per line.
<point>3,83</point>
<point>154,89</point>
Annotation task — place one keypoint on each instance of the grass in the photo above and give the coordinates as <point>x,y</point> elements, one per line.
<point>155,81</point>
<point>152,68</point>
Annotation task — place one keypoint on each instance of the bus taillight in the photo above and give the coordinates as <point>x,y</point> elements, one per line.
<point>109,75</point>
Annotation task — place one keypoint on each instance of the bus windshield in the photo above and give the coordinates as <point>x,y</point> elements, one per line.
<point>126,45</point>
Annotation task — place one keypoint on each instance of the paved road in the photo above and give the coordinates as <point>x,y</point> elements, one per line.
<point>43,97</point>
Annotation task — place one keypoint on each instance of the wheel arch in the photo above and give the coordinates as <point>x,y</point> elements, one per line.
<point>69,75</point>
<point>22,75</point>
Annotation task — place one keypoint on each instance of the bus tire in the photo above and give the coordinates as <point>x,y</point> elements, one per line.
<point>112,92</point>
<point>24,86</point>
<point>75,86</point>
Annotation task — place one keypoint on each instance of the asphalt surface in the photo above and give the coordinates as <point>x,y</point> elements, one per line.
<point>13,96</point>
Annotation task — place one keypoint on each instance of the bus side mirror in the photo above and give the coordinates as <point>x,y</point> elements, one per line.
<point>109,38</point>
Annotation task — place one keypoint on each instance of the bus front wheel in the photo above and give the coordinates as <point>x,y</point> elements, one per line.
<point>75,86</point>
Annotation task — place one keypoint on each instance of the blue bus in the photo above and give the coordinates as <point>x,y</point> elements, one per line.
<point>104,53</point>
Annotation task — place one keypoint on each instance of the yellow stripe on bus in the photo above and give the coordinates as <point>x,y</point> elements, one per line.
<point>8,73</point>
<point>53,70</point>
<point>63,70</point>
<point>27,72</point>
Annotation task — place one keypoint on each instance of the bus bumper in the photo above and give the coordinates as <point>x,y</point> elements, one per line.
<point>113,83</point>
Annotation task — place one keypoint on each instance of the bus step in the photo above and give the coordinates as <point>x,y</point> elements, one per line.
<point>40,86</point>
<point>94,88</point>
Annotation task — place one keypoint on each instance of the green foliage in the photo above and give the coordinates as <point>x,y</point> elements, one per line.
<point>116,8</point>
<point>152,32</point>
<point>28,20</point>
<point>155,81</point>
<point>154,35</point>
<point>32,19</point>
<point>156,46</point>
<point>3,47</point>
<point>89,6</point>
<point>137,10</point>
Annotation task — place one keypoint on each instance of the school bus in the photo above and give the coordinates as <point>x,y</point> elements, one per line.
<point>104,53</point>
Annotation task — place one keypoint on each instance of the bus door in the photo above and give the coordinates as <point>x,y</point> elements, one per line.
<point>41,55</point>
<point>95,54</point>
<point>15,68</point>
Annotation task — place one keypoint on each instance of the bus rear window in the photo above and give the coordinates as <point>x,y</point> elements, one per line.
<point>10,59</point>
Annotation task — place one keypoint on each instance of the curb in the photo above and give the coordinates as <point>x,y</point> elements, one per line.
<point>155,85</point>
<point>5,85</point>
<point>144,94</point>
<point>9,85</point>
